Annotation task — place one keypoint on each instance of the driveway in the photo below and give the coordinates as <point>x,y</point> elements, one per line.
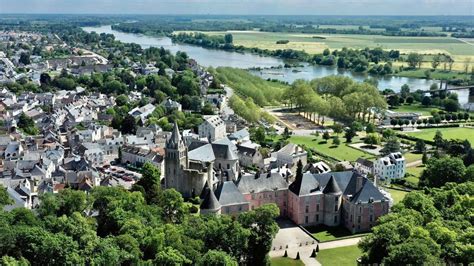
<point>291,235</point>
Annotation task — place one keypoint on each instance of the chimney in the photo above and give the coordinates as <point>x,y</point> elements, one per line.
<point>359,182</point>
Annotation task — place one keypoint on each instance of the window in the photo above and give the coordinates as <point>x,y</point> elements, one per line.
<point>335,208</point>
<point>306,219</point>
<point>317,207</point>
<point>307,209</point>
<point>228,166</point>
<point>359,218</point>
<point>335,219</point>
<point>336,199</point>
<point>317,217</point>
<point>371,218</point>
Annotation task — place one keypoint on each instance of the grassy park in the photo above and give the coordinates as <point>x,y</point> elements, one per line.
<point>285,262</point>
<point>326,233</point>
<point>397,195</point>
<point>448,133</point>
<point>341,152</point>
<point>339,256</point>
<point>415,108</point>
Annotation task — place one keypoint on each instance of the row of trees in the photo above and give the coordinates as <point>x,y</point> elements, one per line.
<point>144,226</point>
<point>337,97</point>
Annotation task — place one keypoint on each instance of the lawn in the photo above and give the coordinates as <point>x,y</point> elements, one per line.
<point>415,171</point>
<point>415,108</point>
<point>327,233</point>
<point>285,262</point>
<point>448,133</point>
<point>341,152</point>
<point>397,195</point>
<point>412,157</point>
<point>339,256</point>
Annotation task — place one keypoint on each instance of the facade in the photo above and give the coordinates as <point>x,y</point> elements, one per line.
<point>290,155</point>
<point>390,167</point>
<point>213,128</point>
<point>333,199</point>
<point>364,166</point>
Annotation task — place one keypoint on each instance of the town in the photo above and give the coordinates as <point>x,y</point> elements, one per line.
<point>116,152</point>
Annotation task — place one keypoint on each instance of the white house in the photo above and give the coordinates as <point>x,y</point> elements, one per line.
<point>213,128</point>
<point>142,112</point>
<point>391,166</point>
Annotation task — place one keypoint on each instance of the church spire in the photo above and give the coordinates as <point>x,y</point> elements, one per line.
<point>175,139</point>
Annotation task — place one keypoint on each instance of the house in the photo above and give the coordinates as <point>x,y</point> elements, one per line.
<point>364,166</point>
<point>171,105</point>
<point>336,198</point>
<point>390,167</point>
<point>240,136</point>
<point>289,156</point>
<point>138,156</point>
<point>317,168</point>
<point>249,155</point>
<point>142,112</point>
<point>230,199</point>
<point>213,128</point>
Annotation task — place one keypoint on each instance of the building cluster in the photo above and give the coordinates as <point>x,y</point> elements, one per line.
<point>213,166</point>
<point>386,168</point>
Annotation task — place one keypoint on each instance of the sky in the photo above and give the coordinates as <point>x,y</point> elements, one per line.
<point>242,7</point>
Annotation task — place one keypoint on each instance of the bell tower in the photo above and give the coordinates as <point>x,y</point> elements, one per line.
<point>176,159</point>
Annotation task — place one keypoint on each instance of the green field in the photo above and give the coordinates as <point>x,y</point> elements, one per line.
<point>339,256</point>
<point>397,195</point>
<point>461,51</point>
<point>448,133</point>
<point>438,74</point>
<point>327,233</point>
<point>285,262</point>
<point>412,157</point>
<point>341,152</point>
<point>414,108</point>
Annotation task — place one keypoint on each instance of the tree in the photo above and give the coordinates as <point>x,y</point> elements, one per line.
<point>391,145</point>
<point>129,125</point>
<point>405,91</point>
<point>426,101</point>
<point>149,183</point>
<point>25,58</point>
<point>45,79</point>
<point>326,136</point>
<point>372,139</point>
<point>170,257</point>
<point>228,38</point>
<point>470,173</point>
<point>336,141</point>
<point>350,134</point>
<point>443,170</point>
<point>451,105</point>
<point>436,61</point>
<point>370,128</point>
<point>172,206</point>
<point>263,228</point>
<point>414,60</point>
<point>4,198</point>
<point>420,146</point>
<point>337,128</point>
<point>424,158</point>
<point>438,139</point>
<point>27,124</point>
<point>217,258</point>
<point>260,135</point>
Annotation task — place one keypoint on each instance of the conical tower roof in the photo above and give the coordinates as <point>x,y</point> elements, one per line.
<point>175,139</point>
<point>210,201</point>
<point>332,187</point>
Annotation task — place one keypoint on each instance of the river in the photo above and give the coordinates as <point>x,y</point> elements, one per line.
<point>216,58</point>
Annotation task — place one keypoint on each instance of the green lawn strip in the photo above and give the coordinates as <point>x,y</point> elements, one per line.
<point>285,262</point>
<point>415,108</point>
<point>415,171</point>
<point>412,157</point>
<point>397,195</point>
<point>325,233</point>
<point>343,152</point>
<point>438,74</point>
<point>448,133</point>
<point>339,256</point>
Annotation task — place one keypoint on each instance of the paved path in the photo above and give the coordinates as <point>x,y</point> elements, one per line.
<point>414,164</point>
<point>340,243</point>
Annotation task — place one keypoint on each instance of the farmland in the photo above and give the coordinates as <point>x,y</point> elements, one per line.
<point>316,43</point>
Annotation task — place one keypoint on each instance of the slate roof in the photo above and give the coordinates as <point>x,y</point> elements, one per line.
<point>224,152</point>
<point>265,182</point>
<point>311,183</point>
<point>332,187</point>
<point>241,134</point>
<point>210,201</point>
<point>204,153</point>
<point>365,162</point>
<point>246,150</point>
<point>368,192</point>
<point>228,194</point>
